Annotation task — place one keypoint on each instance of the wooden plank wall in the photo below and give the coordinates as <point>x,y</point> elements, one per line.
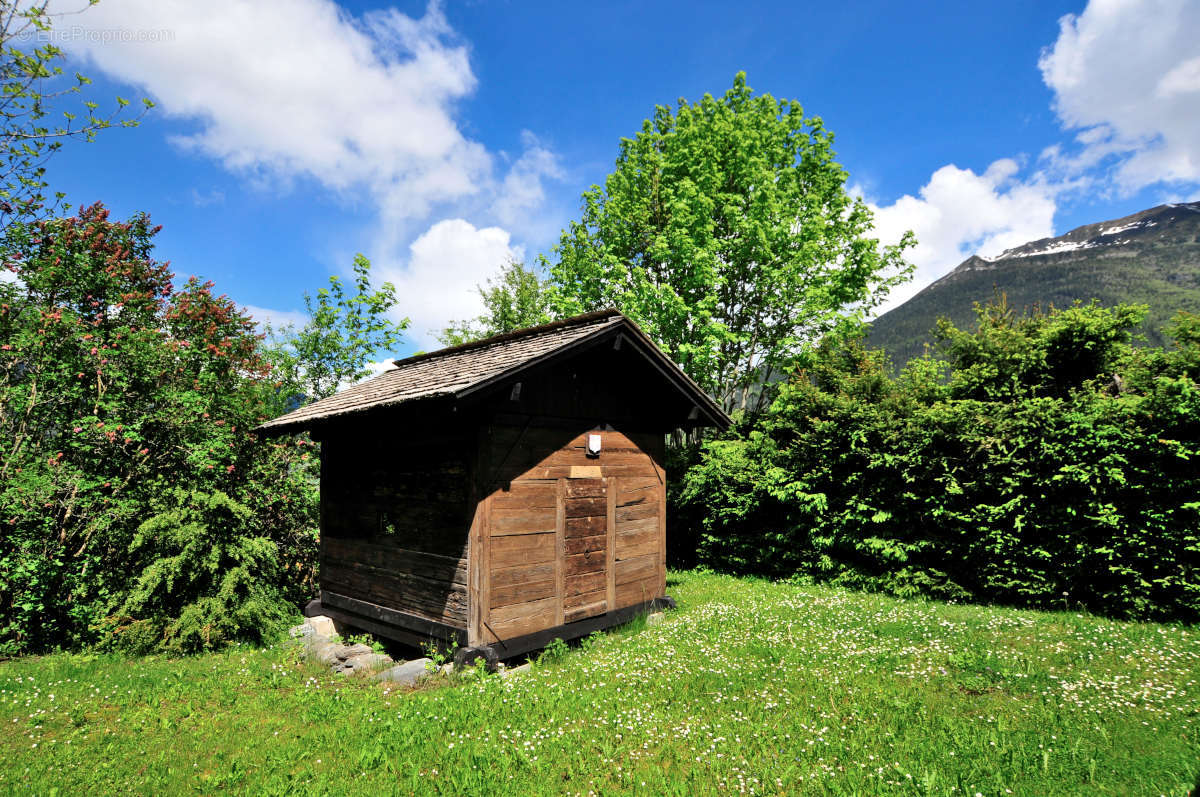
<point>567,536</point>
<point>639,574</point>
<point>395,518</point>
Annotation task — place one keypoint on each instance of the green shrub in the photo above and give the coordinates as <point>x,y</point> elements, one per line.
<point>124,634</point>
<point>1040,460</point>
<point>135,503</point>
<point>209,578</point>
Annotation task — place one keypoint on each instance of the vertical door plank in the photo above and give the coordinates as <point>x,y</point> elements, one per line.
<point>610,569</point>
<point>476,564</point>
<point>485,571</point>
<point>560,551</point>
<point>662,539</point>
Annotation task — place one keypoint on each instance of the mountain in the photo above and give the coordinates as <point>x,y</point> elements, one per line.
<point>1151,257</point>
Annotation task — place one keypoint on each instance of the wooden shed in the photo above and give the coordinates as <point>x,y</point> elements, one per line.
<point>501,493</point>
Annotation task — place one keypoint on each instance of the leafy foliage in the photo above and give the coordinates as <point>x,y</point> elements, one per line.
<point>213,576</point>
<point>342,334</point>
<point>516,298</point>
<point>133,497</point>
<point>1041,460</point>
<point>726,231</point>
<point>31,83</point>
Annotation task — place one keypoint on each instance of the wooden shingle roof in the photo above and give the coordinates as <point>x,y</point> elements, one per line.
<point>461,370</point>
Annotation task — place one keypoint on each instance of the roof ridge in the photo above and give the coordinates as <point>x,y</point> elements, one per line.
<point>504,337</point>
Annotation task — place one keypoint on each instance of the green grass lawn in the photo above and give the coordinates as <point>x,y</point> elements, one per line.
<point>749,687</point>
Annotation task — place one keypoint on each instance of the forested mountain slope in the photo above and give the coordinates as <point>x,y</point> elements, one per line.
<point>1151,257</point>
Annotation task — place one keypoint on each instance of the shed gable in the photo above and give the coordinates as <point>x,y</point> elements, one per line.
<point>459,373</point>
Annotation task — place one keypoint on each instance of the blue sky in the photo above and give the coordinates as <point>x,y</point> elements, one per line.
<point>441,139</point>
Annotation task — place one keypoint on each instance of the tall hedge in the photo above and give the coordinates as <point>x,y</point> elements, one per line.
<point>1038,460</point>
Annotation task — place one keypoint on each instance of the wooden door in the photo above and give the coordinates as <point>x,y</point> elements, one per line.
<point>563,536</point>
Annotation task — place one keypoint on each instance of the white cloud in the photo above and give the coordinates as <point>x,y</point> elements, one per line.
<point>445,265</point>
<point>277,318</point>
<point>299,88</point>
<point>1126,75</point>
<point>522,193</point>
<point>364,106</point>
<point>1177,198</point>
<point>378,368</point>
<point>203,200</point>
<point>959,213</point>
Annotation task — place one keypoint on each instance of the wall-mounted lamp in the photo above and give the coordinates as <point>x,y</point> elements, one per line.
<point>593,445</point>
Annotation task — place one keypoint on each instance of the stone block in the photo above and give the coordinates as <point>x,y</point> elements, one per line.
<point>366,663</point>
<point>322,625</point>
<point>410,673</point>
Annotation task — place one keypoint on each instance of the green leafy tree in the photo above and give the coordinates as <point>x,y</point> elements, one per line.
<point>344,332</point>
<point>726,231</point>
<point>516,298</point>
<point>31,85</point>
<point>137,508</point>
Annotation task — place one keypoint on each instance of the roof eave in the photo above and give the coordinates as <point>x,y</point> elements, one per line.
<point>273,429</point>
